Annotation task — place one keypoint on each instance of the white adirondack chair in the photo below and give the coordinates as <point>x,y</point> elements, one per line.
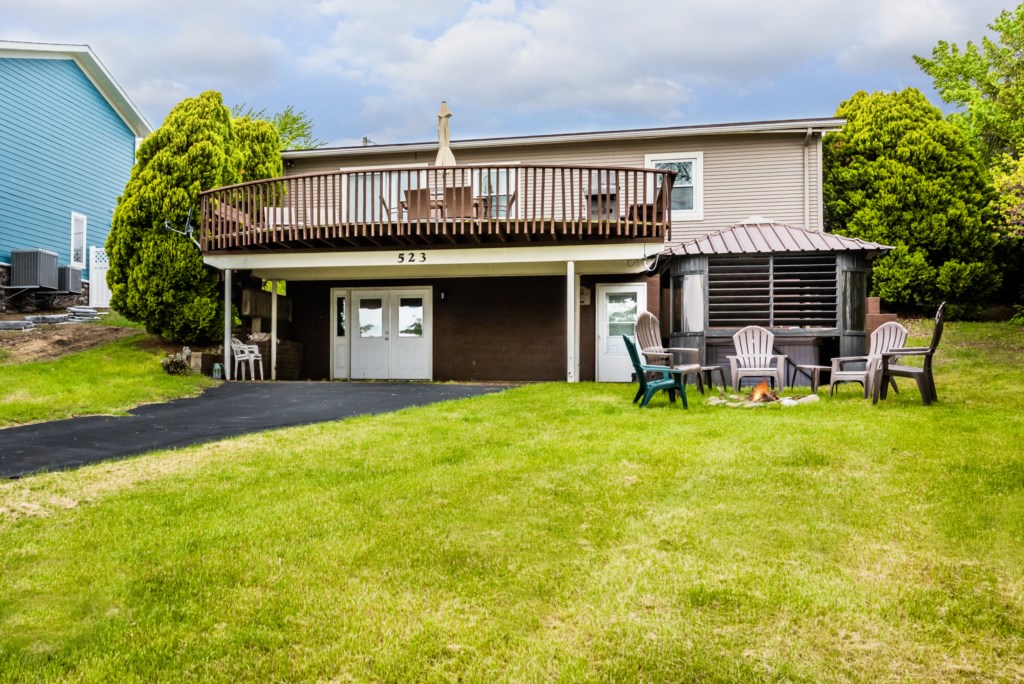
<point>754,357</point>
<point>885,338</point>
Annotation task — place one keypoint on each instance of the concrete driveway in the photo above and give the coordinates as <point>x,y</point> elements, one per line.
<point>231,409</point>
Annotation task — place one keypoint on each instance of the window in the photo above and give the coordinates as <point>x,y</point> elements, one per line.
<point>374,196</point>
<point>78,230</point>
<point>778,291</point>
<point>688,188</point>
<point>496,186</point>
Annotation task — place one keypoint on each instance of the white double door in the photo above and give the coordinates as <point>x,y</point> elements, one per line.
<point>617,309</point>
<point>382,334</point>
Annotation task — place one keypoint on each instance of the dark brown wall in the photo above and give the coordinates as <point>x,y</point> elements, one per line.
<point>500,329</point>
<point>509,328</point>
<point>484,328</point>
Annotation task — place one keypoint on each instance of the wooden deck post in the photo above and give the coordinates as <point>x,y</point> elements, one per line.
<point>227,323</point>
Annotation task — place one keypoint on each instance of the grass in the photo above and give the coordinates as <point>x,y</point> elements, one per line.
<point>106,380</point>
<point>552,532</point>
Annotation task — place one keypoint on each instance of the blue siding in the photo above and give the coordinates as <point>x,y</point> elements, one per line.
<point>63,149</point>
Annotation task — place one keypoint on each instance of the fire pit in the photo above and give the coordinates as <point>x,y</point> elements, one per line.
<point>761,395</point>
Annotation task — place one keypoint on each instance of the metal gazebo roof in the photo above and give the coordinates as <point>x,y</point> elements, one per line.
<point>761,235</point>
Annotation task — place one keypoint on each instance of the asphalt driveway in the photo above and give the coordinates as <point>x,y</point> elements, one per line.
<point>228,410</point>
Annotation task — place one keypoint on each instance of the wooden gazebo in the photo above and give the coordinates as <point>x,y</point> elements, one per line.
<point>809,287</point>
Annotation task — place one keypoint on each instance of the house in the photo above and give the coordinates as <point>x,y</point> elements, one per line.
<point>526,260</point>
<point>68,134</point>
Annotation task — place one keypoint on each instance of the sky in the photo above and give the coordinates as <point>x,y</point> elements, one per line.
<point>380,68</point>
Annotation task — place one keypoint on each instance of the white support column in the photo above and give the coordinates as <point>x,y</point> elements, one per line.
<point>227,323</point>
<point>576,340</point>
<point>571,303</point>
<point>273,331</point>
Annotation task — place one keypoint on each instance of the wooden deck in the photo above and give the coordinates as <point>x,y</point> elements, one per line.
<point>426,206</point>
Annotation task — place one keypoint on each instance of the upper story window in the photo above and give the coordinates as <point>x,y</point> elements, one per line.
<point>78,229</point>
<point>498,187</point>
<point>688,189</point>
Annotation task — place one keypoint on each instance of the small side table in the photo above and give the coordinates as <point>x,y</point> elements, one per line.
<point>811,371</point>
<point>709,375</point>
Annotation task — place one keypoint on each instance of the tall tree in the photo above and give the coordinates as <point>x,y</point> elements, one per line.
<point>900,174</point>
<point>258,149</point>
<point>157,276</point>
<point>988,82</point>
<point>295,129</point>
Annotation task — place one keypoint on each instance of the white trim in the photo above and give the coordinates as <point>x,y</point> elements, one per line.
<point>697,160</point>
<point>81,263</point>
<point>94,70</point>
<point>442,263</point>
<point>799,126</point>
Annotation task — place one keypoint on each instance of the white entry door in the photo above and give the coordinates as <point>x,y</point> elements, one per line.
<point>391,334</point>
<point>99,292</point>
<point>339,334</point>
<point>617,309</point>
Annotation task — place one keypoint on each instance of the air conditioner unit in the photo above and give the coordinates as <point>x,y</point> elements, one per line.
<point>69,279</point>
<point>34,268</point>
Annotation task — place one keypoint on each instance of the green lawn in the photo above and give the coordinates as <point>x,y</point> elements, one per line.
<point>551,532</point>
<point>106,380</point>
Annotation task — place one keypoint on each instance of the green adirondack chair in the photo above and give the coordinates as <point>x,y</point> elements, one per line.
<point>671,380</point>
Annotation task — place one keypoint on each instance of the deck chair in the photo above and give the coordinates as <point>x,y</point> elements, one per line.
<point>885,338</point>
<point>459,202</point>
<point>241,353</point>
<point>754,357</point>
<point>418,204</point>
<point>665,379</point>
<point>648,339</point>
<point>652,213</point>
<point>890,365</point>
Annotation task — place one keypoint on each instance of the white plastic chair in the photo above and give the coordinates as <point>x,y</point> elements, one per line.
<point>885,338</point>
<point>754,357</point>
<point>241,353</point>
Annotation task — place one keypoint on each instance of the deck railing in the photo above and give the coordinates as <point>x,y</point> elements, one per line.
<point>439,205</point>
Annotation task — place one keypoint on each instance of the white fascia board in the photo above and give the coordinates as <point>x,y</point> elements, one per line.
<point>799,126</point>
<point>441,263</point>
<point>93,68</point>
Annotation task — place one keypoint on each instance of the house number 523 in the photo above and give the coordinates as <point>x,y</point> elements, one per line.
<point>412,257</point>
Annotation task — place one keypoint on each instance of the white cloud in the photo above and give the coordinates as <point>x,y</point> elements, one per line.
<point>382,66</point>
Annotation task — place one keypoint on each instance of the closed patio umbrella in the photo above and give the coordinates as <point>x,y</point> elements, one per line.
<point>444,138</point>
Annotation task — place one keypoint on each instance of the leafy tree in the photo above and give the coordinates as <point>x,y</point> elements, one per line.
<point>258,147</point>
<point>157,277</point>
<point>1008,179</point>
<point>900,174</point>
<point>295,129</point>
<point>988,81</point>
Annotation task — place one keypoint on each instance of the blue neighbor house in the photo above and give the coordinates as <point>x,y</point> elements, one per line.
<point>68,134</point>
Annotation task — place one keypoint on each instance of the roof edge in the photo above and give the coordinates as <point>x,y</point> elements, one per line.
<point>802,126</point>
<point>94,70</point>
<point>694,247</point>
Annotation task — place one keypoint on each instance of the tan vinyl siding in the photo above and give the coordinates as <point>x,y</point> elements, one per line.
<point>751,174</point>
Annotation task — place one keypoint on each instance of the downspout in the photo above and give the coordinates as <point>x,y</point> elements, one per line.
<point>807,179</point>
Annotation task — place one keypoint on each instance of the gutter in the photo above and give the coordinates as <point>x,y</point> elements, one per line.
<point>811,126</point>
